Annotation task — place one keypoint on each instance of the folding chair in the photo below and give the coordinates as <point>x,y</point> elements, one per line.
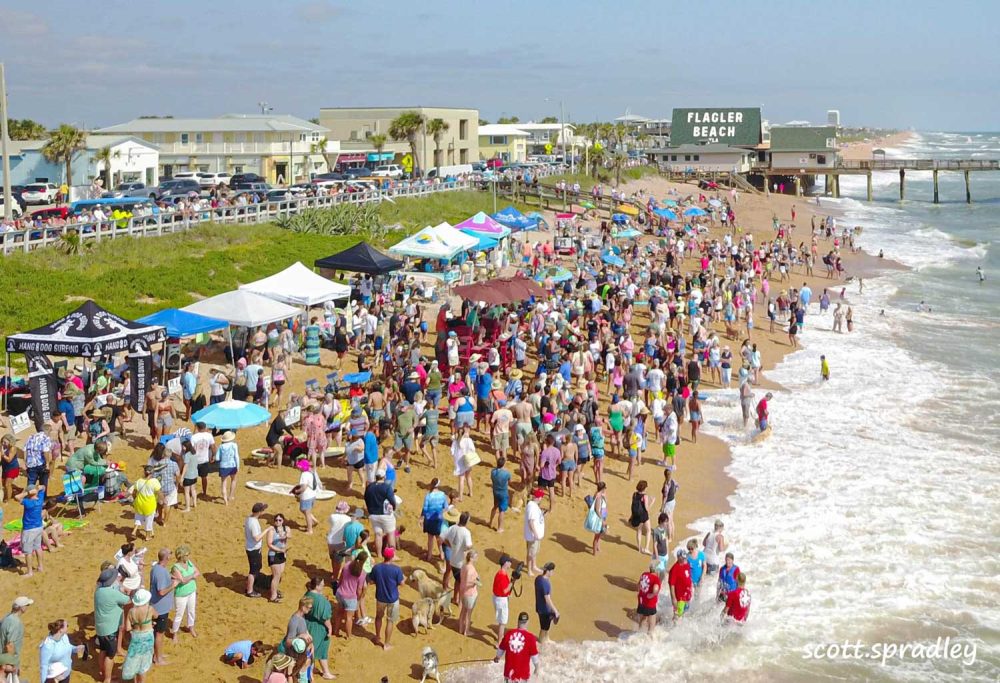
<point>74,490</point>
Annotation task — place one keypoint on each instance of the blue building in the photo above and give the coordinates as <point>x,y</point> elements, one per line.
<point>132,159</point>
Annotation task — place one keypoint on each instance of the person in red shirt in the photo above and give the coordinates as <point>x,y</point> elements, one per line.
<point>649,595</point>
<point>762,412</point>
<point>519,649</point>
<point>737,607</point>
<point>681,586</point>
<point>501,595</point>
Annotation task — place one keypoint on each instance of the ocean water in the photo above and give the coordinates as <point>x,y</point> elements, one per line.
<point>870,517</point>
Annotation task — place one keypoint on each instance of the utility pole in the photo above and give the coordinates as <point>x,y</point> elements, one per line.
<point>562,129</point>
<point>8,200</point>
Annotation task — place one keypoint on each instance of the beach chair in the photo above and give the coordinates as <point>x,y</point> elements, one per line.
<point>75,492</point>
<point>334,384</point>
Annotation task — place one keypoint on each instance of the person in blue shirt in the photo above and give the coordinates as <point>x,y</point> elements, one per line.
<point>387,578</point>
<point>242,653</point>
<point>696,559</point>
<point>500,481</point>
<point>65,407</point>
<point>432,515</point>
<point>544,607</point>
<point>371,452</point>
<point>484,384</point>
<point>33,500</point>
<point>189,385</point>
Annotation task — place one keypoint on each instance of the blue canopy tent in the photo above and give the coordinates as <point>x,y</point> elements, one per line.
<point>514,219</point>
<point>539,219</point>
<point>485,241</point>
<point>695,211</point>
<point>181,324</point>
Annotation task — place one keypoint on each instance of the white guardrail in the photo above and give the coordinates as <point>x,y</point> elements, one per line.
<point>170,221</point>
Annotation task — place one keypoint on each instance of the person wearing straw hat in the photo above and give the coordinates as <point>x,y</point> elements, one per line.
<point>139,659</point>
<point>229,465</point>
<point>279,668</point>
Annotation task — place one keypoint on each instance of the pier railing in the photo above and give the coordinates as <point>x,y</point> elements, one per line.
<point>918,164</point>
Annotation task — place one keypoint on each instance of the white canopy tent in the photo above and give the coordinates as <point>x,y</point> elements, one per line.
<point>441,241</point>
<point>243,309</point>
<point>298,285</point>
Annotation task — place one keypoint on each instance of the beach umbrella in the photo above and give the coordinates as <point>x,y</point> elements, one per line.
<point>232,415</point>
<point>612,259</point>
<point>501,290</point>
<point>695,211</point>
<point>629,233</point>
<point>657,290</point>
<point>665,213</point>
<point>670,202</point>
<point>714,202</point>
<point>557,273</point>
<point>619,218</point>
<point>357,377</point>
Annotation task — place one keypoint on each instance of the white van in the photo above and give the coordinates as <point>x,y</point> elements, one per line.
<point>445,171</point>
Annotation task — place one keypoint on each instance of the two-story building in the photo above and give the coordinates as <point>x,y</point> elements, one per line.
<point>354,127</point>
<point>130,159</point>
<point>549,138</point>
<point>503,141</point>
<point>799,148</point>
<point>281,148</point>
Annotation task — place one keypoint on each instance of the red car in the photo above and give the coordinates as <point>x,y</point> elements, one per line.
<point>52,212</point>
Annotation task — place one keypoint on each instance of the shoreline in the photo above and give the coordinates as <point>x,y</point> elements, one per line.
<point>862,149</point>
<point>596,595</point>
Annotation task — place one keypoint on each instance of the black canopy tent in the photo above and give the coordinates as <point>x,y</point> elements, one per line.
<point>88,332</point>
<point>361,258</point>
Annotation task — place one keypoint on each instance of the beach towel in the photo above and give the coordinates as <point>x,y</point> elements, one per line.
<point>67,524</point>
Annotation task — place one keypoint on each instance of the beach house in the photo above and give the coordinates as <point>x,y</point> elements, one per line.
<point>506,142</point>
<point>131,159</point>
<point>278,147</point>
<point>803,147</point>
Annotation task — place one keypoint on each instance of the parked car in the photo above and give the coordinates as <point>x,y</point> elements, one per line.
<point>358,172</point>
<point>129,189</point>
<point>15,208</point>
<point>479,166</point>
<point>256,188</point>
<point>245,178</point>
<point>213,179</point>
<point>388,171</point>
<point>174,188</point>
<point>186,175</point>
<point>40,193</point>
<point>51,212</point>
<point>322,178</point>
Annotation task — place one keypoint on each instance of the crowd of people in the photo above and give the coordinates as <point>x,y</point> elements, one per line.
<point>539,402</point>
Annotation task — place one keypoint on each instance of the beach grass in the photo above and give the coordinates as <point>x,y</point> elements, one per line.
<point>605,176</point>
<point>133,277</point>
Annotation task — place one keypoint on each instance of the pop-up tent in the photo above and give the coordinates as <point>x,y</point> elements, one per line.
<point>514,219</point>
<point>299,286</point>
<point>180,323</point>
<point>361,258</point>
<point>243,309</point>
<point>88,332</point>
<point>481,223</point>
<point>439,242</point>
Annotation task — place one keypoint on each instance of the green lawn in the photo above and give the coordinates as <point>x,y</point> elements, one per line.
<point>606,176</point>
<point>138,276</point>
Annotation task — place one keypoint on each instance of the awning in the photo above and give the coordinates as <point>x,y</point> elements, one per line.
<point>180,323</point>
<point>351,157</point>
<point>299,286</point>
<point>243,309</point>
<point>385,156</point>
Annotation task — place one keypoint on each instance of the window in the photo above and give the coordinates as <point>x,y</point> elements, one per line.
<point>498,139</point>
<point>185,138</point>
<point>697,157</point>
<point>463,156</point>
<point>687,157</point>
<point>673,157</point>
<point>821,159</point>
<point>463,129</point>
<point>238,168</point>
<point>199,138</point>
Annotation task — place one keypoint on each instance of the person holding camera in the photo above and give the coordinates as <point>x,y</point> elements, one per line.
<point>502,586</point>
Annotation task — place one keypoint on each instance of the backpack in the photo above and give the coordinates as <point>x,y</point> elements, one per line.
<point>7,560</point>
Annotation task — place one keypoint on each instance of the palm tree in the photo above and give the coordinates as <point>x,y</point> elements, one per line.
<point>437,128</point>
<point>63,144</point>
<point>319,147</point>
<point>103,156</point>
<point>25,129</point>
<point>378,142</point>
<point>405,127</point>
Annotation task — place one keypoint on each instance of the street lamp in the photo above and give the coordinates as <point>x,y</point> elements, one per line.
<point>562,134</point>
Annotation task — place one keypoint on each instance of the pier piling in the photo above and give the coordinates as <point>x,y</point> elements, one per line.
<point>902,184</point>
<point>968,189</point>
<point>936,188</point>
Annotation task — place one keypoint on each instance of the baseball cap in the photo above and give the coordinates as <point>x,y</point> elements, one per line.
<point>537,493</point>
<point>258,507</point>
<point>22,601</point>
<point>388,553</point>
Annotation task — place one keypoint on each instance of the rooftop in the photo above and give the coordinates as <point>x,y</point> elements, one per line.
<point>228,123</point>
<point>19,147</point>
<point>803,139</point>
<point>507,129</point>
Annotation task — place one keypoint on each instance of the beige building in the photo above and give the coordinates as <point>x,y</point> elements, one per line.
<point>353,126</point>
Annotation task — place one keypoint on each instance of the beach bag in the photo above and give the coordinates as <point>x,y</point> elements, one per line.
<point>593,523</point>
<point>470,460</point>
<point>7,560</point>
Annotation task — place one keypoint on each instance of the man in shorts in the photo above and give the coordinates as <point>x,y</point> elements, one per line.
<point>681,586</point>
<point>501,596</point>
<point>500,482</point>
<point>500,423</point>
<point>204,448</point>
<point>649,596</point>
<point>387,577</point>
<point>534,529</point>
<point>253,537</point>
<point>33,501</point>
<point>429,437</point>
<point>109,604</point>
<point>161,587</point>
<point>380,501</point>
<point>406,423</point>
<point>547,612</point>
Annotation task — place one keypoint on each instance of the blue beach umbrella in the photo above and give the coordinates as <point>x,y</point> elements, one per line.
<point>357,377</point>
<point>695,211</point>
<point>612,259</point>
<point>232,415</point>
<point>557,273</point>
<point>665,213</point>
<point>619,218</point>
<point>629,233</point>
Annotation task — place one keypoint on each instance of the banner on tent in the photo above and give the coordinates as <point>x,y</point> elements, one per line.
<point>18,423</point>
<point>140,365</point>
<point>42,382</point>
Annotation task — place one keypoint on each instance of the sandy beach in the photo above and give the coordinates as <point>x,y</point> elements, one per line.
<point>596,595</point>
<point>858,151</point>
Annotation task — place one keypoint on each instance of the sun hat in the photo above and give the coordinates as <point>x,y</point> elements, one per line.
<point>451,515</point>
<point>413,375</point>
<point>280,662</point>
<point>343,507</point>
<point>107,577</point>
<point>228,437</point>
<point>358,513</point>
<point>141,597</point>
<point>516,374</point>
<point>299,645</point>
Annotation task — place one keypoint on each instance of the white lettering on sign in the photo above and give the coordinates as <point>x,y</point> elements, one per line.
<point>715,117</point>
<point>18,423</point>
<point>292,415</point>
<point>715,132</point>
<point>174,385</point>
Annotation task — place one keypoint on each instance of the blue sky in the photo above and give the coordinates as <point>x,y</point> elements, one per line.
<point>919,64</point>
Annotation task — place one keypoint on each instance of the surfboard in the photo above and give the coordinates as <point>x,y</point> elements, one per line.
<point>761,436</point>
<point>282,489</point>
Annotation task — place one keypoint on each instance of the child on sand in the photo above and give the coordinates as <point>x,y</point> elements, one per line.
<point>824,368</point>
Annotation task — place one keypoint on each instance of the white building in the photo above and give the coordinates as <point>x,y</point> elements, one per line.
<point>280,148</point>
<point>132,159</point>
<point>548,138</point>
<point>704,158</point>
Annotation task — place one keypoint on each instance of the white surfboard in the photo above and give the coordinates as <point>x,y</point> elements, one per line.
<point>282,489</point>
